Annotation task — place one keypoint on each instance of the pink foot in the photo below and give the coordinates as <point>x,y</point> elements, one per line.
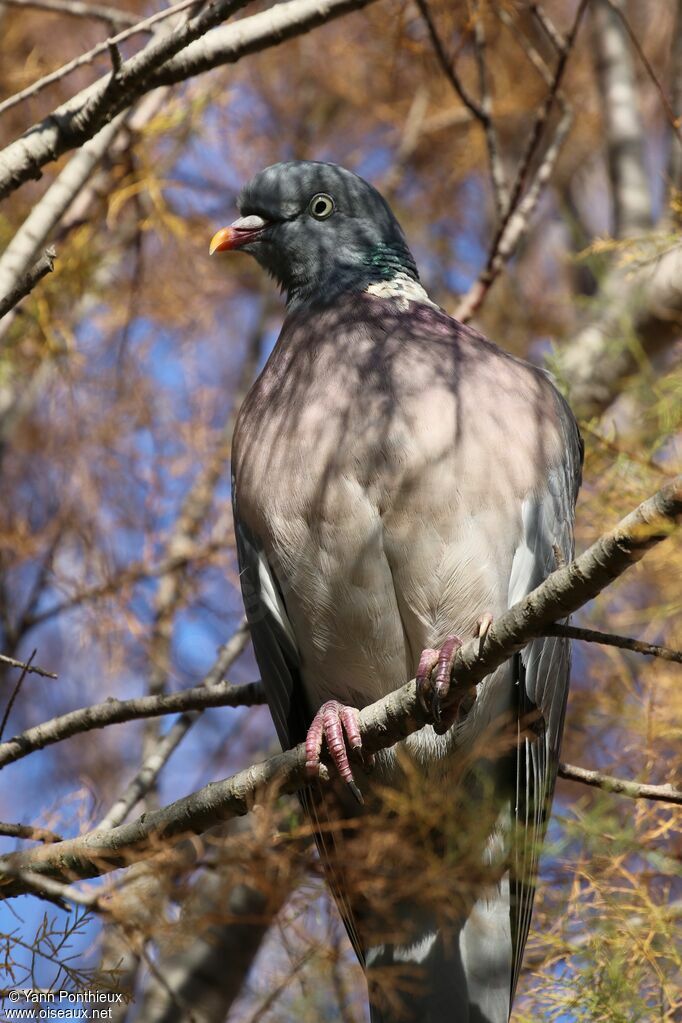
<point>332,720</point>
<point>433,691</point>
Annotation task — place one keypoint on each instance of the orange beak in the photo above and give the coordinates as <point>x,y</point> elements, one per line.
<point>237,235</point>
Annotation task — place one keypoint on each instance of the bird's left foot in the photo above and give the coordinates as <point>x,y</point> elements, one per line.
<point>335,724</point>
<point>431,690</point>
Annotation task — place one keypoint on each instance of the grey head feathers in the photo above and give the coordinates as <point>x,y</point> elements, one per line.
<point>326,231</point>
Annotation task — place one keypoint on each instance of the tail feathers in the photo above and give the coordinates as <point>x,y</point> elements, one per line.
<point>460,974</point>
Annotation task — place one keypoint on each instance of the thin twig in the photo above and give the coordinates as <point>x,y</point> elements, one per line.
<point>628,178</point>
<point>382,724</point>
<point>161,62</point>
<point>28,832</point>
<point>611,639</point>
<point>646,460</point>
<point>137,572</point>
<point>481,111</point>
<point>114,712</point>
<point>675,154</point>
<point>448,65</point>
<point>15,693</point>
<point>499,178</point>
<point>32,669</point>
<point>517,224</point>
<point>673,120</point>
<point>547,25</point>
<point>472,301</point>
<point>275,992</point>
<point>87,58</point>
<point>621,787</point>
<point>74,8</point>
<point>526,45</point>
<point>57,891</point>
<point>44,266</point>
<point>180,1004</point>
<point>155,761</point>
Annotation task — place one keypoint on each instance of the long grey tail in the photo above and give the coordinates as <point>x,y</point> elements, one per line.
<point>461,974</point>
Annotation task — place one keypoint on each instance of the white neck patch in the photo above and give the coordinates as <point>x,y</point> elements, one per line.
<point>403,287</point>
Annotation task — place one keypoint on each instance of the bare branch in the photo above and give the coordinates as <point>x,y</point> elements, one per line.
<point>56,891</point>
<point>15,693</point>
<point>49,210</point>
<point>675,157</point>
<point>631,199</point>
<point>137,572</point>
<point>547,26</point>
<point>528,48</point>
<point>632,789</point>
<point>114,712</point>
<point>499,178</point>
<point>609,639</point>
<point>477,293</point>
<point>89,56</point>
<point>517,224</point>
<point>616,7</point>
<point>382,724</point>
<point>447,65</point>
<point>32,669</point>
<point>641,311</point>
<point>158,757</point>
<point>27,283</point>
<point>84,114</point>
<point>28,832</point>
<point>77,9</point>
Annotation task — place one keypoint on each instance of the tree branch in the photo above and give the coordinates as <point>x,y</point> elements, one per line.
<point>447,65</point>
<point>382,724</point>
<point>630,195</point>
<point>32,669</point>
<point>633,789</point>
<point>77,9</point>
<point>159,755</point>
<point>675,157</point>
<point>160,63</point>
<point>146,25</point>
<point>134,573</point>
<point>28,832</point>
<point>641,310</point>
<point>27,283</point>
<point>609,639</point>
<point>513,224</point>
<point>114,712</point>
<point>497,173</point>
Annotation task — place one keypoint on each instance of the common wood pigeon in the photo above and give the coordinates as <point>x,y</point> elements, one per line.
<point>397,480</point>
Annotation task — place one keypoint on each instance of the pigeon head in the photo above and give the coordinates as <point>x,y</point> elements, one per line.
<point>319,230</point>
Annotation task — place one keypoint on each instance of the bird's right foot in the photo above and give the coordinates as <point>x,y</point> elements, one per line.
<point>433,690</point>
<point>335,725</point>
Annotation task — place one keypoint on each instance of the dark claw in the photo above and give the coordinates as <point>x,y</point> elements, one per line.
<point>427,662</point>
<point>436,709</point>
<point>356,792</point>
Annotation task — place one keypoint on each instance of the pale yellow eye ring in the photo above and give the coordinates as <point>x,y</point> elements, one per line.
<point>321,206</point>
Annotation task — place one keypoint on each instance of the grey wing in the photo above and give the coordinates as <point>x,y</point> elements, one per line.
<point>274,642</point>
<point>541,672</point>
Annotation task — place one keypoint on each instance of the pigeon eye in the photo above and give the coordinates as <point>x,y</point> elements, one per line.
<point>321,206</point>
